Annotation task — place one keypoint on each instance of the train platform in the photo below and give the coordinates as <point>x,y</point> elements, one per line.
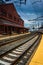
<point>2,37</point>
<point>38,56</point>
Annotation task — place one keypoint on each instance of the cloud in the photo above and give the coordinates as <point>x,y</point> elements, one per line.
<point>29,11</point>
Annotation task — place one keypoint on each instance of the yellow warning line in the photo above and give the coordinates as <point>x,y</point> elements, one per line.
<point>38,57</point>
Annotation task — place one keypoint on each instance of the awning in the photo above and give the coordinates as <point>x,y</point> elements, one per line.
<point>8,23</point>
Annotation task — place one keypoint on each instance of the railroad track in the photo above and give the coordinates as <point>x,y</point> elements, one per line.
<point>9,46</point>
<point>10,54</point>
<point>26,57</point>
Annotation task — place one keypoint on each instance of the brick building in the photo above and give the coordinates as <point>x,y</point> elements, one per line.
<point>10,21</point>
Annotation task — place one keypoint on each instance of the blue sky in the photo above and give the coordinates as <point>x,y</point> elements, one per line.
<point>30,11</point>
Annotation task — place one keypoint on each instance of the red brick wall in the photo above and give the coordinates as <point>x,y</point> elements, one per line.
<point>10,13</point>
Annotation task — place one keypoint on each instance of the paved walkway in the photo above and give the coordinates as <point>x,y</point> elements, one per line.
<point>38,57</point>
<point>7,37</point>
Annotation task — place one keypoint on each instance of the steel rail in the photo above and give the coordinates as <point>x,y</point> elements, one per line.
<point>13,55</point>
<point>27,56</point>
<point>13,39</point>
<point>5,48</point>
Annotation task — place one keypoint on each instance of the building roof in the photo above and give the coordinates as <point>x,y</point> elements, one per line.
<point>11,8</point>
<point>6,22</point>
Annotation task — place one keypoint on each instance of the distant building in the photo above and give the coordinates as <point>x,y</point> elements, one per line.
<point>10,21</point>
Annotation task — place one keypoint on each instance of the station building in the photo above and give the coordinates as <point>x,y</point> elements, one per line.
<point>10,21</point>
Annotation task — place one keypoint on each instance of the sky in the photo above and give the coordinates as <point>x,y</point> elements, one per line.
<point>31,10</point>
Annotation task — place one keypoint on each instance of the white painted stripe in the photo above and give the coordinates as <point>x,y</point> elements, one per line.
<point>17,52</point>
<point>13,55</point>
<point>5,63</point>
<point>10,59</point>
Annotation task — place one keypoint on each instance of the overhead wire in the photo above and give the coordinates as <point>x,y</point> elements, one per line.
<point>21,11</point>
<point>35,10</point>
